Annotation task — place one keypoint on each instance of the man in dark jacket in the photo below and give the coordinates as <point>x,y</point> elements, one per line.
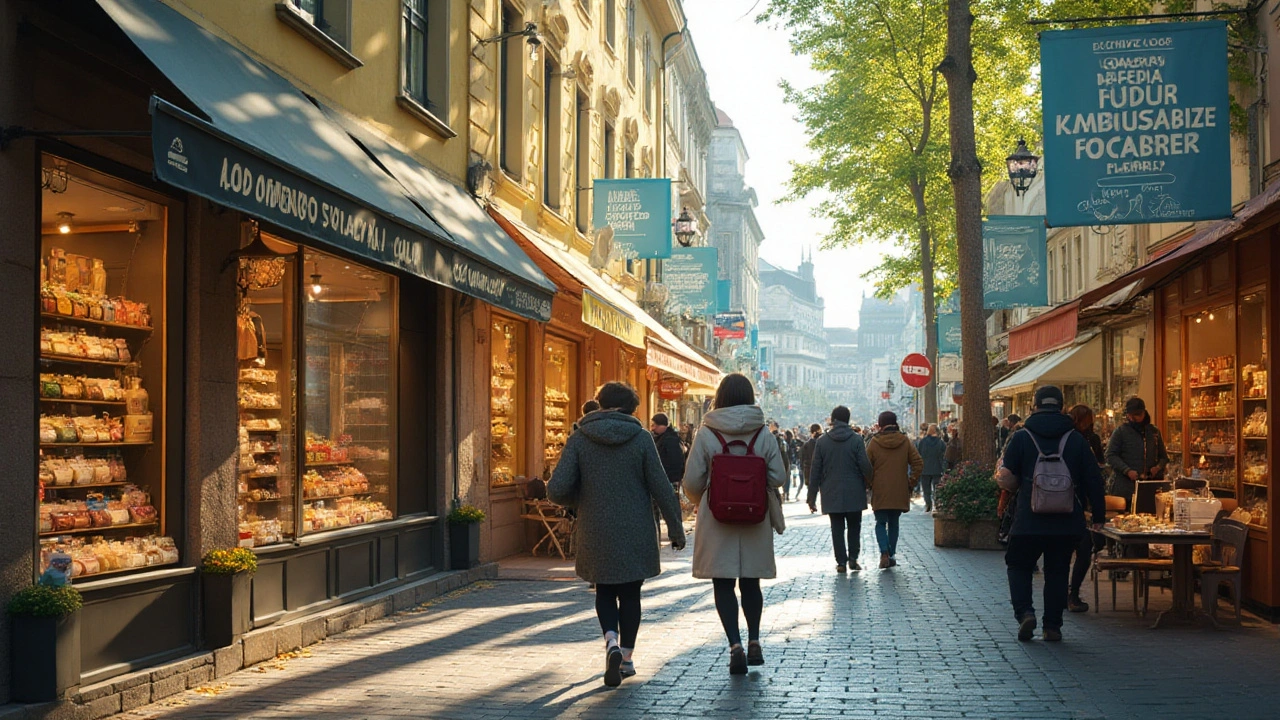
<point>1054,536</point>
<point>1136,451</point>
<point>933,450</point>
<point>840,470</point>
<point>806,454</point>
<point>669,449</point>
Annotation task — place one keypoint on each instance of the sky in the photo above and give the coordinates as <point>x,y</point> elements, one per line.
<point>744,62</point>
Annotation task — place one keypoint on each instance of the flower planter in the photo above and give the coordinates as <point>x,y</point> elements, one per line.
<point>45,655</point>
<point>227,608</point>
<point>950,533</point>
<point>464,545</point>
<point>982,535</point>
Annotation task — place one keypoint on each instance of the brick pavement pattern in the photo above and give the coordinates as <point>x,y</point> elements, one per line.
<point>932,638</point>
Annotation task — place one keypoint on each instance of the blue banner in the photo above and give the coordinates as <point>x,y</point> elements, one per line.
<point>724,295</point>
<point>690,277</point>
<point>639,211</point>
<point>1136,124</point>
<point>1013,262</point>
<point>949,333</point>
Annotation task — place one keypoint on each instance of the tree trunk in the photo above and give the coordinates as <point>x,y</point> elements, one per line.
<point>930,304</point>
<point>966,183</point>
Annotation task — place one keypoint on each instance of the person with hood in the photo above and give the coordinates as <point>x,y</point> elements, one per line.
<point>955,446</point>
<point>669,449</point>
<point>896,467</point>
<point>734,554</point>
<point>806,455</point>
<point>933,450</point>
<point>1136,450</point>
<point>610,474</point>
<point>841,472</point>
<point>1082,418</point>
<point>1053,535</point>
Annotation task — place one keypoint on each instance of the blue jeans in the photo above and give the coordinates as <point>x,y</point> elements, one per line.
<point>887,530</point>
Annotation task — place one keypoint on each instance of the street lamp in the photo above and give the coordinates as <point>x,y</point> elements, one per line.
<point>1022,165</point>
<point>684,227</point>
<point>529,33</point>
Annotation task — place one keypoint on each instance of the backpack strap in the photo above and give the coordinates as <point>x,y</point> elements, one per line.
<point>752,443</point>
<point>724,444</point>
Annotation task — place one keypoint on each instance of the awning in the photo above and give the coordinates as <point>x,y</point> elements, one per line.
<point>266,149</point>
<point>1050,331</point>
<point>606,308</point>
<point>1078,364</point>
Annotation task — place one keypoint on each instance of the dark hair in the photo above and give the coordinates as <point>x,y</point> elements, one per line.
<point>815,428</point>
<point>735,389</point>
<point>619,396</point>
<point>660,419</point>
<point>1081,417</point>
<point>840,414</point>
<point>789,435</point>
<point>590,406</point>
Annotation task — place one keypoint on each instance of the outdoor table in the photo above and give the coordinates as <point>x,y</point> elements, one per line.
<point>1184,591</point>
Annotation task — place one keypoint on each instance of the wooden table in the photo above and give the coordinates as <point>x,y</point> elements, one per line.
<point>1184,588</point>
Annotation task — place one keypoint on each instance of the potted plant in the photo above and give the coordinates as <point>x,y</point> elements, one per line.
<point>45,642</point>
<point>966,499</point>
<point>227,592</point>
<point>464,536</point>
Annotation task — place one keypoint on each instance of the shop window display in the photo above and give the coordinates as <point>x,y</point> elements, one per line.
<point>1256,469</point>
<point>1210,401</point>
<point>504,401</point>
<point>1173,415</point>
<point>101,386</point>
<point>561,363</point>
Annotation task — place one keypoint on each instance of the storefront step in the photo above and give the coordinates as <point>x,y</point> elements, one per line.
<point>126,692</point>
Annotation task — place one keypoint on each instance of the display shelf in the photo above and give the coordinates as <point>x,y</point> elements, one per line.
<point>306,499</point>
<point>246,498</point>
<point>261,431</point>
<point>73,360</point>
<point>87,487</point>
<point>1254,437</point>
<point>252,474</point>
<point>121,571</point>
<point>1213,418</point>
<point>90,531</point>
<point>1230,383</point>
<point>1173,449</point>
<point>88,322</point>
<point>329,463</point>
<point>260,409</point>
<point>69,401</point>
<point>93,445</point>
<point>1213,455</point>
<point>1254,484</point>
<point>1254,399</point>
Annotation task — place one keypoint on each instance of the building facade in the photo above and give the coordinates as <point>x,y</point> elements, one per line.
<point>731,207</point>
<point>791,329</point>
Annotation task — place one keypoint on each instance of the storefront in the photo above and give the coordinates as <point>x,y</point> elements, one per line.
<point>231,342</point>
<point>1076,369</point>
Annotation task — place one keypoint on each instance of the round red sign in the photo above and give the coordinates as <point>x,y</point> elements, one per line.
<point>916,370</point>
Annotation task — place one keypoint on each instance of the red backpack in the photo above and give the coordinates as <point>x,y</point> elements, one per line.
<point>737,493</point>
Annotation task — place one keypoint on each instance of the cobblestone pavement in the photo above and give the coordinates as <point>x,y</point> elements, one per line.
<point>932,638</point>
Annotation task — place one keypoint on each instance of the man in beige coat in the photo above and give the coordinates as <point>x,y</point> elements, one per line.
<point>896,468</point>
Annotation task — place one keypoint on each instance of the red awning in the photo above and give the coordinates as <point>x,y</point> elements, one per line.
<point>1050,331</point>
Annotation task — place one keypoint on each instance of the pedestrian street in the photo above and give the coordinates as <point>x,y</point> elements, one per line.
<point>931,638</point>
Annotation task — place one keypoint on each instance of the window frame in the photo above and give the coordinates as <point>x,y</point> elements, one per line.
<point>552,134</point>
<point>510,104</point>
<point>631,43</point>
<point>432,108</point>
<point>611,24</point>
<point>338,47</point>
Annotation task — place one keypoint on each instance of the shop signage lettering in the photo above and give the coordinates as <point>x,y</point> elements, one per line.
<point>690,277</point>
<point>200,160</point>
<point>602,316</point>
<point>1136,126</point>
<point>949,333</point>
<point>671,389</point>
<point>658,358</point>
<point>1013,262</point>
<point>639,211</point>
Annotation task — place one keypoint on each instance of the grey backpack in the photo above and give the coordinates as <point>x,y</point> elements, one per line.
<point>1053,492</point>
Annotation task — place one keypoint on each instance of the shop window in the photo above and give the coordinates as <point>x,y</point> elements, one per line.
<point>325,23</point>
<point>327,322</point>
<point>1254,384</point>
<point>511,93</point>
<point>506,408</point>
<point>426,54</point>
<point>1127,345</point>
<point>552,131</point>
<point>1210,436</point>
<point>1173,410</point>
<point>104,505</point>
<point>560,360</point>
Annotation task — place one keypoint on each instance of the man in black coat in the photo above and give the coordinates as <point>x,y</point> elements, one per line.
<point>670,451</point>
<point>1054,536</point>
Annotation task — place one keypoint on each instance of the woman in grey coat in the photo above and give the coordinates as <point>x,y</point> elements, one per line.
<point>611,475</point>
<point>934,451</point>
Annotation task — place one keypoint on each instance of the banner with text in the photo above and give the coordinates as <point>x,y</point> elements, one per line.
<point>1013,262</point>
<point>949,333</point>
<point>730,326</point>
<point>724,295</point>
<point>690,277</point>
<point>639,211</point>
<point>1136,124</point>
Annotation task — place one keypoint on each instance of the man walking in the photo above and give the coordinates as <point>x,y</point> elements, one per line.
<point>933,451</point>
<point>1048,432</point>
<point>671,454</point>
<point>786,454</point>
<point>896,466</point>
<point>1136,451</point>
<point>839,471</point>
<point>806,455</point>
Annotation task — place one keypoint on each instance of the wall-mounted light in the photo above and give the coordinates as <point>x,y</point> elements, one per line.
<point>66,221</point>
<point>529,33</point>
<point>316,287</point>
<point>684,228</point>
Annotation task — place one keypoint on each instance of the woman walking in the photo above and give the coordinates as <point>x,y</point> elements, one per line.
<point>896,466</point>
<point>610,474</point>
<point>734,554</point>
<point>1082,418</point>
<point>933,450</point>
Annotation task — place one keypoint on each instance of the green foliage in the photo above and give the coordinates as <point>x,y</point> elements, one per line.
<point>466,515</point>
<point>229,562</point>
<point>45,601</point>
<point>968,493</point>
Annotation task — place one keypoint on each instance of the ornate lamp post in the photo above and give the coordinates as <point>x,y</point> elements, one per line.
<point>1023,166</point>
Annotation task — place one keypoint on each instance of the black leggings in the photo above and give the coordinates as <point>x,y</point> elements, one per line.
<point>727,607</point>
<point>620,605</point>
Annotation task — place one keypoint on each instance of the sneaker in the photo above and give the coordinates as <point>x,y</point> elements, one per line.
<point>1076,605</point>
<point>737,660</point>
<point>613,666</point>
<point>840,568</point>
<point>1026,627</point>
<point>755,656</point>
<point>627,669</point>
<point>884,561</point>
<point>1052,634</point>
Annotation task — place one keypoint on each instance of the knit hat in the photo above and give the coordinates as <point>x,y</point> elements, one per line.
<point>1049,397</point>
<point>886,419</point>
<point>1135,406</point>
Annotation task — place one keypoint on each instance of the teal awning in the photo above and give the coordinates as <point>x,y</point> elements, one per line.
<point>265,148</point>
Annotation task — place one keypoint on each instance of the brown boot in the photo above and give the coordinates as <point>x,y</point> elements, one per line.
<point>884,561</point>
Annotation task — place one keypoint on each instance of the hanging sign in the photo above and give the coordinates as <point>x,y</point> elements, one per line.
<point>724,295</point>
<point>671,389</point>
<point>949,333</point>
<point>1013,262</point>
<point>916,370</point>
<point>731,326</point>
<point>600,315</point>
<point>1136,124</point>
<point>690,277</point>
<point>950,368</point>
<point>639,211</point>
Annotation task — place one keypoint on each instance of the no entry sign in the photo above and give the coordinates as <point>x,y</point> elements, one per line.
<point>916,370</point>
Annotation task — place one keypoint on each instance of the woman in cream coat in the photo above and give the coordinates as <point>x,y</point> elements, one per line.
<point>733,554</point>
